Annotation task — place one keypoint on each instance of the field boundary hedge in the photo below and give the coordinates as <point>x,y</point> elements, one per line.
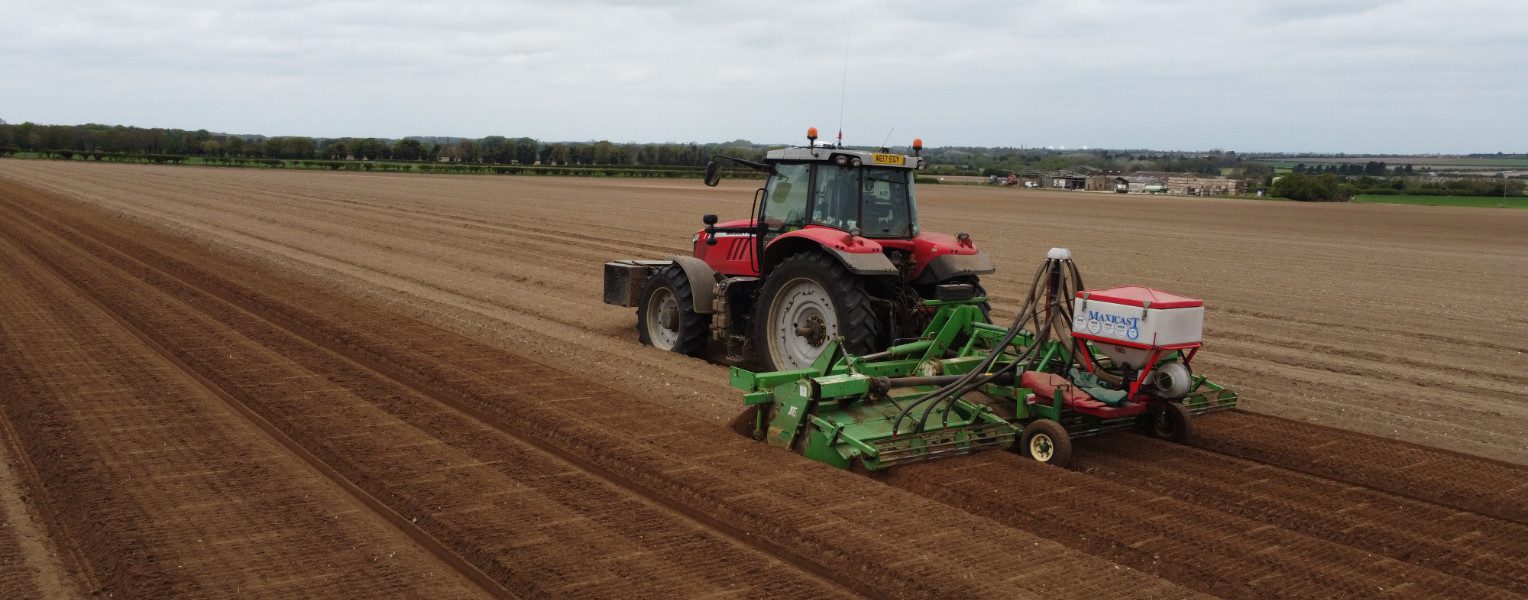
<point>383,166</point>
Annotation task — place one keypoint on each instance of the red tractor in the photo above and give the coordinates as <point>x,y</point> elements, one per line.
<point>831,249</point>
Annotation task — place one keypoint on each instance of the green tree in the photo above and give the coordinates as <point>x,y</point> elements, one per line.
<point>526,150</point>
<point>408,149</point>
<point>335,150</point>
<point>368,149</point>
<point>1310,188</point>
<point>559,154</point>
<point>495,149</point>
<point>465,151</point>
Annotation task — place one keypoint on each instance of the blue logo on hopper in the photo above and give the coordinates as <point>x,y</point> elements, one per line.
<point>1130,323</point>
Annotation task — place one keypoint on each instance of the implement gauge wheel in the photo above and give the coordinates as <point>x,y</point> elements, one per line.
<point>1046,441</point>
<point>807,300</point>
<point>666,317</point>
<point>1173,422</point>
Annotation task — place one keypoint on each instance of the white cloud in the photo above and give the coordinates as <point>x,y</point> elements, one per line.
<point>1354,75</point>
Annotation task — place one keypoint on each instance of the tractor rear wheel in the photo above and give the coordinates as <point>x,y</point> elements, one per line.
<point>1046,441</point>
<point>1173,422</point>
<point>666,317</point>
<point>807,301</point>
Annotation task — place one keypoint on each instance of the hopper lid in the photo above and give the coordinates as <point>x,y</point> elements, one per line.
<point>1139,295</point>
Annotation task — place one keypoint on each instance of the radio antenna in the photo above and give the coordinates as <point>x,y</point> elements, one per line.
<point>888,136</point>
<point>844,85</point>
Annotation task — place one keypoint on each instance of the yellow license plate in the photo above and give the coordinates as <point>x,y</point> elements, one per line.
<point>887,159</point>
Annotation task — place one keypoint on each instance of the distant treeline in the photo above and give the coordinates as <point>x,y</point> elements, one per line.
<point>1372,168</point>
<point>1322,186</point>
<point>139,144</point>
<point>1003,161</point>
<point>387,166</point>
<point>501,150</point>
<point>495,150</point>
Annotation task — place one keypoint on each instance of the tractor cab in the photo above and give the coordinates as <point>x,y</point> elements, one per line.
<point>820,193</point>
<point>866,193</point>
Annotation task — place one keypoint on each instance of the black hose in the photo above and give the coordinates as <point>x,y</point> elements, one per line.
<point>1059,297</point>
<point>1023,316</point>
<point>987,363</point>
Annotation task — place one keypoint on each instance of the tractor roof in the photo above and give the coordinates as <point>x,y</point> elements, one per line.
<point>827,153</point>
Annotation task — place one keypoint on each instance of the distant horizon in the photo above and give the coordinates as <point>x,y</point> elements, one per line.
<point>848,142</point>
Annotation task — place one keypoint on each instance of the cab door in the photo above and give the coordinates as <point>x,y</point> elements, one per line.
<point>785,199</point>
<point>783,208</point>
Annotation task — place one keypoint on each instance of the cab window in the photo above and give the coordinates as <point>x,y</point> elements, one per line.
<point>836,203</point>
<point>888,204</point>
<point>785,197</point>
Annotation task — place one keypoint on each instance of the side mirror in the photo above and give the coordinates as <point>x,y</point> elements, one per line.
<point>708,219</point>
<point>713,173</point>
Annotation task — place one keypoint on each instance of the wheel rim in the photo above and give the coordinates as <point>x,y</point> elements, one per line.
<point>801,321</point>
<point>1162,424</point>
<point>663,319</point>
<point>1041,447</point>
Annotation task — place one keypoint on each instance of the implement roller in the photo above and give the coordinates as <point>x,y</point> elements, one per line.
<point>1073,363</point>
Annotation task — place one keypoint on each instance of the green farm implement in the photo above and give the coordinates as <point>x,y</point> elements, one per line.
<point>1073,363</point>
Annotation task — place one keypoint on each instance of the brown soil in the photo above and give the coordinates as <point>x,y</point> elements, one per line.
<point>155,487</point>
<point>547,482</point>
<point>30,566</point>
<point>437,344</point>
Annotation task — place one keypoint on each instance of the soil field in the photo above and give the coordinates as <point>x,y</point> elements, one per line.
<point>266,384</point>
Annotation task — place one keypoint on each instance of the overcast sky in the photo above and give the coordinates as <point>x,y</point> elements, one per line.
<point>1291,75</point>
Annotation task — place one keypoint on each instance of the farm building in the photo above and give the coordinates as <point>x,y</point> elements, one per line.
<point>1066,180</point>
<point>1199,185</point>
<point>1100,183</point>
<point>1140,184</point>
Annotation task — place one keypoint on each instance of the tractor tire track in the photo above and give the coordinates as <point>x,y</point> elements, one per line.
<point>1460,481</point>
<point>32,563</point>
<point>1217,553</point>
<point>467,570</point>
<point>1470,545</point>
<point>138,513</point>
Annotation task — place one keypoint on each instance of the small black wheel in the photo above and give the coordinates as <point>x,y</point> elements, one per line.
<point>1172,422</point>
<point>1046,441</point>
<point>666,317</point>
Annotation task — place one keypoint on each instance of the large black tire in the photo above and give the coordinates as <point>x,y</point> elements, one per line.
<point>666,317</point>
<point>853,313</point>
<point>1173,422</point>
<point>1046,441</point>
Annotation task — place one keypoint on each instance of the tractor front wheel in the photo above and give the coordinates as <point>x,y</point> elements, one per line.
<point>808,300</point>
<point>666,317</point>
<point>1046,441</point>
